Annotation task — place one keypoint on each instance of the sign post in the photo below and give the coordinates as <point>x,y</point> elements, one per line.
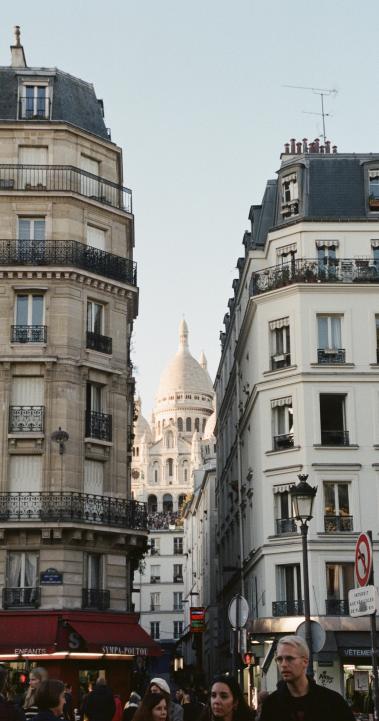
<point>238,613</point>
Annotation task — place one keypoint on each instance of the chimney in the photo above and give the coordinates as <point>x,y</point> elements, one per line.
<point>334,149</point>
<point>322,149</point>
<point>305,145</point>
<point>298,148</point>
<point>293,150</point>
<point>17,51</point>
<point>317,145</point>
<point>327,146</point>
<point>312,148</point>
<point>286,148</point>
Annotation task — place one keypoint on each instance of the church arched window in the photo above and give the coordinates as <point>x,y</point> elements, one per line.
<point>180,424</point>
<point>204,424</point>
<point>169,440</point>
<point>197,424</point>
<point>185,471</point>
<point>152,504</point>
<point>181,500</point>
<point>167,503</point>
<point>170,467</point>
<point>188,424</point>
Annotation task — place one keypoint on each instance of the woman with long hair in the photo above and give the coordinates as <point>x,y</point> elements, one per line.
<point>35,677</point>
<point>50,700</point>
<point>226,702</point>
<point>153,707</point>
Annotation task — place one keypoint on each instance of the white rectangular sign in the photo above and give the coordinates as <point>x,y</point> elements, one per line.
<point>363,601</point>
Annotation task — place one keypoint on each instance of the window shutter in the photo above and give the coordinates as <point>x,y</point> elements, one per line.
<point>25,473</point>
<point>27,391</point>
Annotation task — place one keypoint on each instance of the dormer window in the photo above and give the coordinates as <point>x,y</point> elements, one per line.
<point>34,101</point>
<point>290,196</point>
<point>373,189</point>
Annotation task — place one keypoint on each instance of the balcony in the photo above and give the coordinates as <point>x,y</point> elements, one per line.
<point>285,440</point>
<point>280,360</point>
<point>26,419</point>
<point>309,270</point>
<point>331,355</point>
<point>65,179</point>
<point>70,507</point>
<point>178,607</point>
<point>34,108</point>
<point>178,579</point>
<point>99,426</point>
<point>29,334</point>
<point>338,524</point>
<point>67,253</point>
<point>287,608</point>
<point>100,343</point>
<point>21,597</point>
<point>285,525</point>
<point>155,607</point>
<point>336,607</point>
<point>335,438</point>
<point>155,579</point>
<point>96,599</point>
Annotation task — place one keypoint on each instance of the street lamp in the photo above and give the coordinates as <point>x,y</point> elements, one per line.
<point>303,496</point>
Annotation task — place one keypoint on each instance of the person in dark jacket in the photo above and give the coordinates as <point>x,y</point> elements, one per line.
<point>131,707</point>
<point>50,700</point>
<point>8,710</point>
<point>99,704</point>
<point>298,696</point>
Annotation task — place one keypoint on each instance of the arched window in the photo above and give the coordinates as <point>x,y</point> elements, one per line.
<point>167,503</point>
<point>188,424</point>
<point>156,471</point>
<point>180,424</point>
<point>197,424</point>
<point>170,467</point>
<point>185,471</point>
<point>134,451</point>
<point>181,500</point>
<point>137,449</point>
<point>152,504</point>
<point>169,440</point>
<point>204,424</point>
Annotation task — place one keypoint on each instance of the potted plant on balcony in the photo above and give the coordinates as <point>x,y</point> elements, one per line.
<point>373,202</point>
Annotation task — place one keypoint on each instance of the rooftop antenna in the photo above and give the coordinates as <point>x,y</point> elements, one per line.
<point>322,92</point>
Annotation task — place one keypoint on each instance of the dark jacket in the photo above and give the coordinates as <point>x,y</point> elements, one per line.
<point>99,704</point>
<point>9,711</point>
<point>129,712</point>
<point>45,716</point>
<point>322,705</point>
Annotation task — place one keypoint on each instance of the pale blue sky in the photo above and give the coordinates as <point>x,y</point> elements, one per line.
<point>193,92</point>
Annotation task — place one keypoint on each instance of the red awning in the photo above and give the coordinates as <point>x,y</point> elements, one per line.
<point>27,635</point>
<point>114,636</point>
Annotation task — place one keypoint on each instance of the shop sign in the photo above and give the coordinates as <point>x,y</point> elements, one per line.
<point>31,651</point>
<point>197,619</point>
<point>126,650</point>
<point>356,652</point>
<point>51,577</point>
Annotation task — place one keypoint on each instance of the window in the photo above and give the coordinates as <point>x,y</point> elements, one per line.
<point>26,410</point>
<point>93,478</point>
<point>170,442</point>
<point>329,339</point>
<point>332,418</point>
<point>156,472</point>
<point>155,574</point>
<point>29,319</point>
<point>155,601</point>
<point>282,415</point>
<point>32,177</point>
<point>197,424</point>
<point>280,343</point>
<point>283,511</point>
<point>178,573</point>
<point>22,579</point>
<point>178,629</point>
<point>25,474</point>
<point>377,336</point>
<point>204,423</point>
<point>98,423</point>
<point>188,424</point>
<point>152,504</point>
<point>89,185</point>
<point>34,102</point>
<point>327,257</point>
<point>286,261</point>
<point>290,196</point>
<point>167,503</point>
<point>178,546</point>
<point>94,393</point>
<point>94,571</point>
<point>180,424</point>
<point>95,317</point>
<point>178,601</point>
<point>289,591</point>
<point>181,501</point>
<point>185,471</point>
<point>31,238</point>
<point>154,630</point>
<point>339,581</point>
<point>170,467</point>
<point>96,237</point>
<point>373,189</point>
<point>337,516</point>
<point>155,546</point>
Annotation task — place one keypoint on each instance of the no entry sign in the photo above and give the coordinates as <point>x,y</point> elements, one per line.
<point>363,559</point>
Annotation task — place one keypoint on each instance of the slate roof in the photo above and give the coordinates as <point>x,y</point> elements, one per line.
<point>74,100</point>
<point>336,187</point>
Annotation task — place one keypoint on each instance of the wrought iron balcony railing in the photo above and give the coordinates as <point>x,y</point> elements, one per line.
<point>338,524</point>
<point>178,579</point>
<point>34,108</point>
<point>336,607</point>
<point>155,607</point>
<point>96,598</point>
<point>65,179</point>
<point>285,440</point>
<point>331,355</point>
<point>310,270</point>
<point>178,607</point>
<point>280,360</point>
<point>26,419</point>
<point>101,343</point>
<point>67,507</point>
<point>29,334</point>
<point>285,525</point>
<point>67,253</point>
<point>288,608</point>
<point>335,438</point>
<point>22,597</point>
<point>98,425</point>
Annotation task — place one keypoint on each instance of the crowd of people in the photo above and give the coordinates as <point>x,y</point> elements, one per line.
<point>158,520</point>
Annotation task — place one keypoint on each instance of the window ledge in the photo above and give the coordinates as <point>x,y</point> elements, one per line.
<point>279,370</point>
<point>97,442</point>
<point>350,447</point>
<point>283,450</point>
<point>331,365</point>
<point>374,365</point>
<point>376,446</point>
<point>345,534</point>
<point>27,434</point>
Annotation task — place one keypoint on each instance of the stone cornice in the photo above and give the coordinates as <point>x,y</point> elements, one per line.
<point>88,279</point>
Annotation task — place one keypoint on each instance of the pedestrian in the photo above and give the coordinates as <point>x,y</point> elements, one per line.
<point>9,711</point>
<point>153,707</point>
<point>192,710</point>
<point>50,700</point>
<point>36,676</point>
<point>262,695</point>
<point>117,716</point>
<point>99,704</point>
<point>297,695</point>
<point>159,685</point>
<point>227,702</point>
<point>131,706</point>
<point>68,708</point>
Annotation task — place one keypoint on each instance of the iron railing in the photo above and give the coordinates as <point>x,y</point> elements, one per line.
<point>310,270</point>
<point>288,608</point>
<point>22,597</point>
<point>326,355</point>
<point>26,419</point>
<point>82,507</point>
<point>65,179</point>
<point>282,360</point>
<point>285,440</point>
<point>178,579</point>
<point>101,343</point>
<point>335,438</point>
<point>98,425</point>
<point>338,524</point>
<point>68,253</point>
<point>285,525</point>
<point>155,607</point>
<point>29,334</point>
<point>336,607</point>
<point>96,598</point>
<point>31,108</point>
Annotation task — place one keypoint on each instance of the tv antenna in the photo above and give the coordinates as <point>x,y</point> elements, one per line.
<point>322,92</point>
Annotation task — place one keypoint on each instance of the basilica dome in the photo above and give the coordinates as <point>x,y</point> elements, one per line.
<point>184,373</point>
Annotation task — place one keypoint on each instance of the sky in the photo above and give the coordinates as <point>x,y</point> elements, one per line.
<point>194,93</point>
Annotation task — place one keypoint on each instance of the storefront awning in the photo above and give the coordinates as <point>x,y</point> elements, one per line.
<point>28,635</point>
<point>114,636</point>
<point>354,646</point>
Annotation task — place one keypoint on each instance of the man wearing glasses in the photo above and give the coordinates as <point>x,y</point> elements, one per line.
<point>298,697</point>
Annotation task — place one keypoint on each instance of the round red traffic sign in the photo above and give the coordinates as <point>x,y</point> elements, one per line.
<point>363,559</point>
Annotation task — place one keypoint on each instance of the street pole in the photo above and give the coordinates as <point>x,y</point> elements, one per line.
<point>307,609</point>
<point>373,648</point>
<point>236,639</point>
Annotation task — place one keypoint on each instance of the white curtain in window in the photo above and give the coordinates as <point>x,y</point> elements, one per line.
<point>93,477</point>
<point>280,323</point>
<point>14,570</point>
<point>89,186</point>
<point>27,391</point>
<point>31,560</point>
<point>281,402</point>
<point>32,155</point>
<point>95,237</point>
<point>25,473</point>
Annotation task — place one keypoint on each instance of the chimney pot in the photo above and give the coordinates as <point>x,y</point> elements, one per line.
<point>334,149</point>
<point>327,146</point>
<point>287,148</point>
<point>322,149</point>
<point>298,148</point>
<point>293,149</point>
<point>305,145</point>
<point>317,145</point>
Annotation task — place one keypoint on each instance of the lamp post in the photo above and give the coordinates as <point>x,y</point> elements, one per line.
<point>303,496</point>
